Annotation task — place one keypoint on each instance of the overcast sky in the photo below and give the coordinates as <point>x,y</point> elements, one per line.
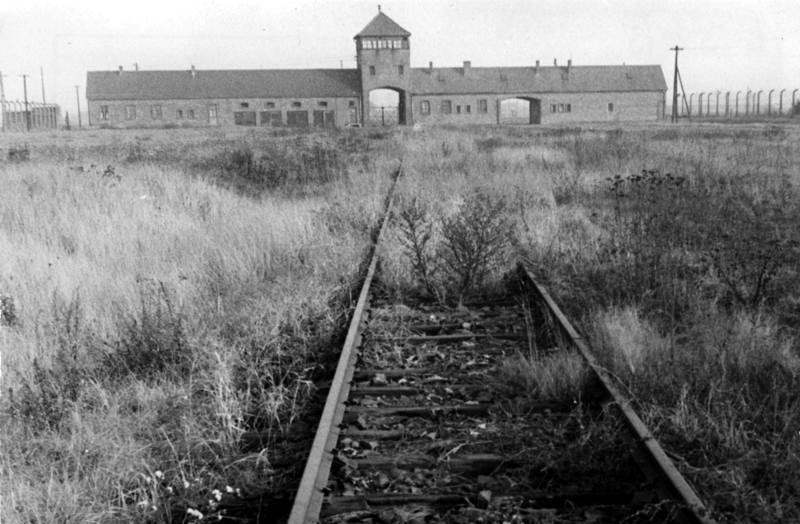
<point>729,45</point>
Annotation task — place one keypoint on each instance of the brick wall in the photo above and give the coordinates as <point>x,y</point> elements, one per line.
<point>583,107</point>
<point>196,113</point>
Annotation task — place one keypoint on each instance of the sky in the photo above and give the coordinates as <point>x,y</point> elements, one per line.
<point>728,45</point>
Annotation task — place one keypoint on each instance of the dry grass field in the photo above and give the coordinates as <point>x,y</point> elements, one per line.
<point>171,297</point>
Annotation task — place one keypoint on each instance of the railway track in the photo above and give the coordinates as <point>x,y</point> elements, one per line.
<point>423,422</point>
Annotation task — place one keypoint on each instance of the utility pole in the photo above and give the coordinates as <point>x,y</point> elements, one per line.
<point>41,74</point>
<point>675,85</point>
<point>25,91</point>
<point>78,99</point>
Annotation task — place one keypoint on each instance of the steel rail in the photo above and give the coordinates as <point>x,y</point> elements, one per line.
<point>309,498</point>
<point>695,510</point>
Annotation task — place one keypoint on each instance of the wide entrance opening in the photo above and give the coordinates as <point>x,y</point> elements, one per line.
<point>520,111</point>
<point>387,107</point>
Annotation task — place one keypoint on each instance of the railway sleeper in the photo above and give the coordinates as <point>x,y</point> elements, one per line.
<point>536,499</point>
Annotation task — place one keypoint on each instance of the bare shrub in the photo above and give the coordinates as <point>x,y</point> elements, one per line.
<point>416,231</point>
<point>476,238</point>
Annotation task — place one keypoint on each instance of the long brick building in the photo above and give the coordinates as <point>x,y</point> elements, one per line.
<point>532,94</point>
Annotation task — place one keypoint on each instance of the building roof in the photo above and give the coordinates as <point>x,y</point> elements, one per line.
<point>520,80</point>
<point>263,83</point>
<point>382,25</point>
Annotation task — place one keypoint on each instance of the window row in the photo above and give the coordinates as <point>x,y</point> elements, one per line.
<point>561,108</point>
<point>446,107</point>
<point>157,113</point>
<point>401,70</point>
<point>395,43</point>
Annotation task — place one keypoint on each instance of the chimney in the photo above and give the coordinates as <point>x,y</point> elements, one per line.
<point>430,67</point>
<point>136,66</point>
<point>536,69</point>
<point>193,72</point>
<point>555,62</point>
<point>569,63</point>
<point>119,71</point>
<point>467,67</point>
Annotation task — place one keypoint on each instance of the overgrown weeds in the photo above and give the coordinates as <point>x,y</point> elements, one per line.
<point>452,254</point>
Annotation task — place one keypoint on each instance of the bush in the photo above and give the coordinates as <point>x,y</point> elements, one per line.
<point>468,243</point>
<point>302,166</point>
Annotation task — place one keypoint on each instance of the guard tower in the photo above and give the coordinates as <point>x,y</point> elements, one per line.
<point>384,62</point>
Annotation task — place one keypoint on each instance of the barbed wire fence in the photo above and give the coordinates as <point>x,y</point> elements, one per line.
<point>17,116</point>
<point>743,104</point>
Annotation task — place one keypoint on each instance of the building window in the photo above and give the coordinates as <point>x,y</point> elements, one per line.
<point>191,114</point>
<point>469,109</point>
<point>384,44</point>
<point>568,108</point>
<point>372,70</point>
<point>103,112</point>
<point>269,105</point>
<point>297,104</point>
<point>400,70</point>
<point>155,112</point>
<point>483,106</point>
<point>447,107</point>
<point>458,110</point>
<point>244,105</point>
<point>179,114</point>
<point>322,103</point>
<point>425,107</point>
<point>611,107</point>
<point>130,112</point>
<point>553,108</point>
<point>351,103</point>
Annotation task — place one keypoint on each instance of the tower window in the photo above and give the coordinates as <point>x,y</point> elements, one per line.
<point>483,106</point>
<point>447,107</point>
<point>468,108</point>
<point>244,105</point>
<point>191,114</point>
<point>458,110</point>
<point>297,104</point>
<point>269,105</point>
<point>568,108</point>
<point>553,108</point>
<point>322,103</point>
<point>611,107</point>
<point>400,70</point>
<point>179,113</point>
<point>425,107</point>
<point>372,70</point>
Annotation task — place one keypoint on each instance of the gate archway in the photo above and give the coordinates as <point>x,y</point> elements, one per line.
<point>519,110</point>
<point>386,106</point>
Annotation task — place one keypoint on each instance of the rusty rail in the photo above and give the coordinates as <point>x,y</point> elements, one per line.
<point>670,478</point>
<point>308,501</point>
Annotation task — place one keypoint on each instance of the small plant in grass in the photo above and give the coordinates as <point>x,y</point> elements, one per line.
<point>47,395</point>
<point>416,231</point>
<point>152,341</point>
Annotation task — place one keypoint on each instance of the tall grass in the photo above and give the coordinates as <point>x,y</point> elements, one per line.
<point>166,330</point>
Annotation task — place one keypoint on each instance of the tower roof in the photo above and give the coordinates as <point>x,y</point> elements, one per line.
<point>382,25</point>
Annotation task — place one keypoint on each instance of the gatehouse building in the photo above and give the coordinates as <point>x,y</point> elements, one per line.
<point>530,94</point>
